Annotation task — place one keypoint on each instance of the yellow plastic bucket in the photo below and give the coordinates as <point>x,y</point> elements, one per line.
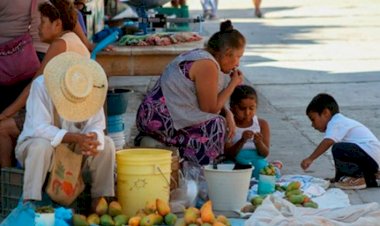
<point>143,174</point>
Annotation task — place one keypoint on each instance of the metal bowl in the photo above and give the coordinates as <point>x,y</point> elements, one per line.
<point>147,4</point>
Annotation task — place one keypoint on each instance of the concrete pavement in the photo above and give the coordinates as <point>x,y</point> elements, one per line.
<point>301,48</point>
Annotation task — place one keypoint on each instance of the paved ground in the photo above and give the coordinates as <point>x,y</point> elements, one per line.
<point>299,49</point>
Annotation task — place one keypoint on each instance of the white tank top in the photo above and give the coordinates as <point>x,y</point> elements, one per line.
<point>255,127</point>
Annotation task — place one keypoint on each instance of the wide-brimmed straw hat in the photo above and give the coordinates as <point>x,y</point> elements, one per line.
<point>77,86</point>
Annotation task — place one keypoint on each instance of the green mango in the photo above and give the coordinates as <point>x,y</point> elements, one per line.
<point>257,200</point>
<point>294,185</point>
<point>311,204</point>
<point>106,220</point>
<point>293,192</point>
<point>296,199</point>
<point>120,220</point>
<point>170,219</point>
<point>79,220</point>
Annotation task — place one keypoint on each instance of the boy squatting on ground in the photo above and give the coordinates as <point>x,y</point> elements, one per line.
<point>355,149</point>
<point>77,88</point>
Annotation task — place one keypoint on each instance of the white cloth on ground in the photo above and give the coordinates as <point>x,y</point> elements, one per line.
<point>278,211</point>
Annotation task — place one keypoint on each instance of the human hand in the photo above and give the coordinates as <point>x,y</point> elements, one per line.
<point>306,163</point>
<point>237,77</point>
<point>247,134</point>
<point>3,117</point>
<point>88,144</point>
<point>258,137</point>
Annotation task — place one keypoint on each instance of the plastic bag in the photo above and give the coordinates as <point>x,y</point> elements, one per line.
<point>194,172</point>
<point>184,195</point>
<point>23,214</point>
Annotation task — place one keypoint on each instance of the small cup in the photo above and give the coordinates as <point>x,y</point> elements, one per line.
<point>266,184</point>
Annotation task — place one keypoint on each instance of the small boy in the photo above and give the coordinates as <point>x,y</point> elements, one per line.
<point>355,149</point>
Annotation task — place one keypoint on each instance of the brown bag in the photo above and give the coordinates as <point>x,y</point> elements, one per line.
<point>65,182</point>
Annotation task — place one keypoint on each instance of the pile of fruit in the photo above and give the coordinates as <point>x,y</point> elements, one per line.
<point>155,212</point>
<point>203,217</point>
<point>292,193</point>
<point>106,214</point>
<point>159,39</point>
<point>269,170</point>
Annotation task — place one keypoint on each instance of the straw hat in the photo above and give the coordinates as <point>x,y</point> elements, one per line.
<point>77,86</point>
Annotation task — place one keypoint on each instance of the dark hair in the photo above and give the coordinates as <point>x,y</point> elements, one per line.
<point>242,92</point>
<point>321,102</point>
<point>227,37</point>
<point>60,9</point>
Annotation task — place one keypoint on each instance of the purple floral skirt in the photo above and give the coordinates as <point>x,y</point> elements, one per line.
<point>199,143</point>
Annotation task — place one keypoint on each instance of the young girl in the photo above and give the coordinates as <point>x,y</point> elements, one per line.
<point>250,145</point>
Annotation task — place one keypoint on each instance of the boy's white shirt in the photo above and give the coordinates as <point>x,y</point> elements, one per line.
<point>255,127</point>
<point>39,119</point>
<point>343,129</point>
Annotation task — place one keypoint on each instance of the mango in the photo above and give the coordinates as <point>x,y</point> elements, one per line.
<point>106,220</point>
<point>79,220</point>
<point>93,219</point>
<point>147,221</point>
<point>170,219</point>
<point>223,219</point>
<point>294,185</point>
<point>311,204</point>
<point>190,215</point>
<point>206,212</point>
<point>101,207</point>
<point>296,199</point>
<point>293,192</point>
<point>163,207</point>
<point>150,207</point>
<point>114,209</point>
<point>120,220</point>
<point>257,200</point>
<point>134,221</point>
<point>217,223</point>
<point>157,218</point>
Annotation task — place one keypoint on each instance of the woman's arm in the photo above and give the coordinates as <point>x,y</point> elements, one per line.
<point>205,74</point>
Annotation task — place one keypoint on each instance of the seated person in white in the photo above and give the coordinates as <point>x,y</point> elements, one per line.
<point>76,87</point>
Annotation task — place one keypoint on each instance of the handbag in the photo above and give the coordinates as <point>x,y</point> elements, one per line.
<point>18,58</point>
<point>65,181</point>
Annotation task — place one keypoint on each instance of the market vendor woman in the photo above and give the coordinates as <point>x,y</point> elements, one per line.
<point>184,107</point>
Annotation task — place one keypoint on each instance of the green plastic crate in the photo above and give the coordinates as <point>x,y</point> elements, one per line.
<point>11,189</point>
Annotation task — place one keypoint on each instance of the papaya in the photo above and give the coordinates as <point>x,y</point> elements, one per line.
<point>206,212</point>
<point>163,207</point>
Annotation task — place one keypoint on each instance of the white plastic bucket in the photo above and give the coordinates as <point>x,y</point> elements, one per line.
<point>227,188</point>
